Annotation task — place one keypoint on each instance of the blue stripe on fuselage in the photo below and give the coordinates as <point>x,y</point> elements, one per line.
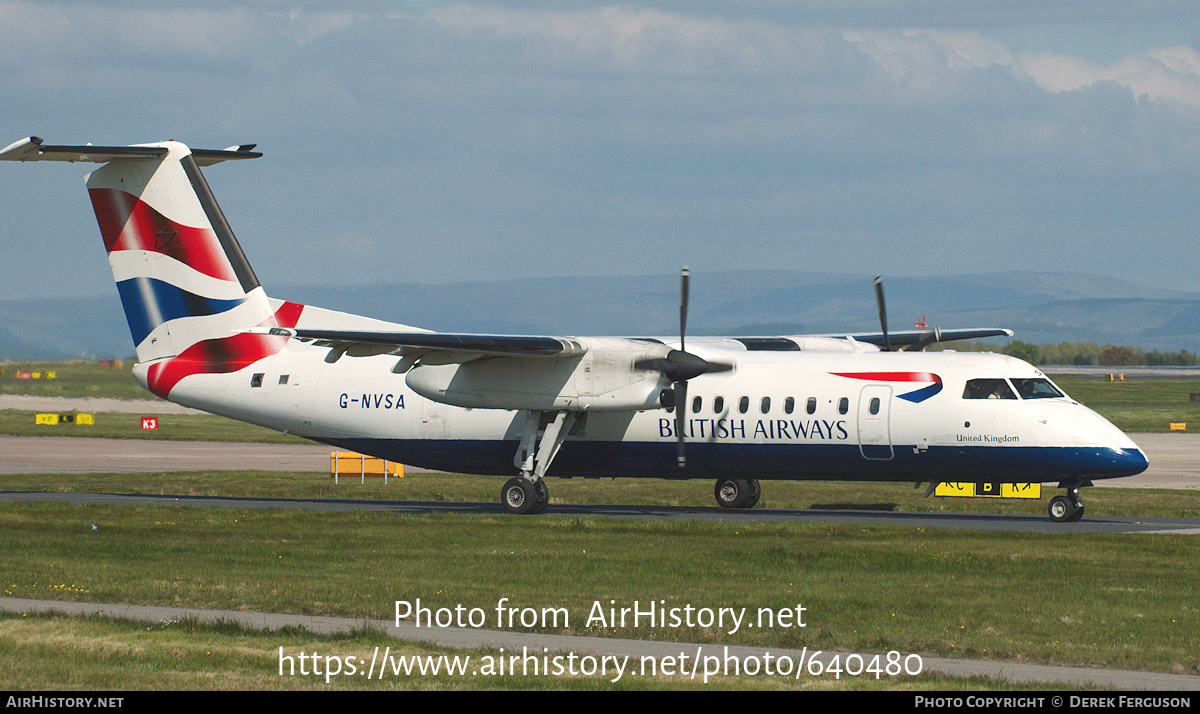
<point>1009,464</point>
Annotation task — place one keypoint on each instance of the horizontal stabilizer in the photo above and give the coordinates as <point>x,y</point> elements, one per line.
<point>35,149</point>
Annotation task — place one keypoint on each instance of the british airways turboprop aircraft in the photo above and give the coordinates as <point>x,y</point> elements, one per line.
<point>831,407</point>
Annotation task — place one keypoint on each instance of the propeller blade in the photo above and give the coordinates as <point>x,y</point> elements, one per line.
<point>887,344</point>
<point>684,278</point>
<point>681,405</point>
<point>685,367</point>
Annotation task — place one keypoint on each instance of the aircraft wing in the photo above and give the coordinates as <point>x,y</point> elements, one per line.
<point>910,337</point>
<point>464,347</point>
<point>407,342</point>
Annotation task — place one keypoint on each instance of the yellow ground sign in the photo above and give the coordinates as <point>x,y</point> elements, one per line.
<point>75,418</point>
<point>988,489</point>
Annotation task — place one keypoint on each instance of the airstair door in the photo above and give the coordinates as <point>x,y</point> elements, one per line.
<point>874,430</point>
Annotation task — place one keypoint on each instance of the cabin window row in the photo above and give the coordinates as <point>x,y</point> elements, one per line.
<point>764,405</point>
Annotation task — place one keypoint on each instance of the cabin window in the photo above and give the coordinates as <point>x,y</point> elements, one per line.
<point>719,404</point>
<point>988,389</point>
<point>1036,389</point>
<point>765,405</point>
<point>873,407</point>
<point>789,405</point>
<point>696,404</point>
<point>256,379</point>
<point>843,405</point>
<point>743,405</point>
<point>811,406</point>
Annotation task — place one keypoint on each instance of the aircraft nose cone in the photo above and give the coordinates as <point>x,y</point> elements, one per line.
<point>1127,462</point>
<point>1112,452</point>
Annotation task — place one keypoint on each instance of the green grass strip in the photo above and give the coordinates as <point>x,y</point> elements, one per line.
<point>1124,601</point>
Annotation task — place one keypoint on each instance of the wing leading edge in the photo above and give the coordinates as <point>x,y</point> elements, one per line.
<point>375,342</point>
<point>508,345</point>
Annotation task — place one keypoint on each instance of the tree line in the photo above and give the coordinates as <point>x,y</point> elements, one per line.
<point>1084,353</point>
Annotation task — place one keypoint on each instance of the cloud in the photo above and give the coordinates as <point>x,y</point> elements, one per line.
<point>541,138</point>
<point>1170,75</point>
<point>923,59</point>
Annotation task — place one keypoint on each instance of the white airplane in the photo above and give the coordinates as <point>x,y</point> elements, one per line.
<point>823,407</point>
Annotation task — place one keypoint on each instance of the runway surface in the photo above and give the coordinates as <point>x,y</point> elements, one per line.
<point>1014,673</point>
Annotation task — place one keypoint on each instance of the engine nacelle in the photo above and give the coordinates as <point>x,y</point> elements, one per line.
<point>604,378</point>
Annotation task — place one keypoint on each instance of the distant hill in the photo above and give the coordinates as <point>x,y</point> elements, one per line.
<point>1039,306</point>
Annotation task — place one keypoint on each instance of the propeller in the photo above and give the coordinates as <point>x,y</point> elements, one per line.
<point>680,365</point>
<point>887,344</point>
<point>924,341</point>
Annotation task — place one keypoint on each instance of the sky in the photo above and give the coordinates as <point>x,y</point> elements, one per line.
<point>442,142</point>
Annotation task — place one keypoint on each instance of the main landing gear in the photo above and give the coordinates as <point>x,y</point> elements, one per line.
<point>522,496</point>
<point>1068,508</point>
<point>737,493</point>
<point>541,438</point>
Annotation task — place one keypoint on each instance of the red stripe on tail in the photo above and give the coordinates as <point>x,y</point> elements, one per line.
<point>220,356</point>
<point>128,223</point>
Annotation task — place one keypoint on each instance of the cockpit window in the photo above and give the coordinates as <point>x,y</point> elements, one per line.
<point>1036,389</point>
<point>988,389</point>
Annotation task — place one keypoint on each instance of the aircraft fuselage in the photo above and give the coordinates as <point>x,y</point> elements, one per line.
<point>777,415</point>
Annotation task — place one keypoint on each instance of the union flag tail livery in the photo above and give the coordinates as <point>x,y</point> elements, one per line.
<point>801,407</point>
<point>186,287</point>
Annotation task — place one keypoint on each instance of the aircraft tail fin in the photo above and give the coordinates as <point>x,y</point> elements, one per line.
<point>185,284</point>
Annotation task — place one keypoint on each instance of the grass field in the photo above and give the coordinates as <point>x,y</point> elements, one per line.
<point>1139,405</point>
<point>171,427</point>
<point>72,378</point>
<point>1121,601</point>
<point>186,655</point>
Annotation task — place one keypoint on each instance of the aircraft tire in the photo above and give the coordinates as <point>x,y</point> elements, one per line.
<point>518,496</point>
<point>1078,512</point>
<point>754,494</point>
<point>732,493</point>
<point>1062,509</point>
<point>543,496</point>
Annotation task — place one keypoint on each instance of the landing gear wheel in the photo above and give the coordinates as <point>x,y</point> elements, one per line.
<point>736,493</point>
<point>519,496</point>
<point>1078,511</point>
<point>1064,510</point>
<point>755,493</point>
<point>543,496</point>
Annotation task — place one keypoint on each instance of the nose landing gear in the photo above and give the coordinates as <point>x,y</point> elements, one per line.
<point>1068,508</point>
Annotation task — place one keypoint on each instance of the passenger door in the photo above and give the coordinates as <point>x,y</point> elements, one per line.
<point>874,430</point>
